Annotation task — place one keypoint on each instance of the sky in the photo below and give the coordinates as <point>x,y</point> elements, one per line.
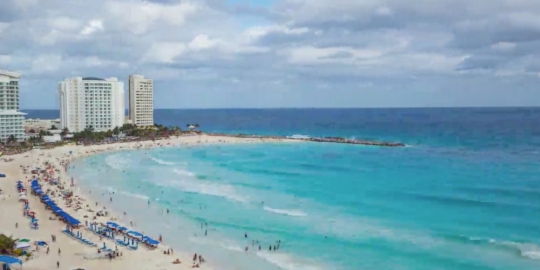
<point>281,53</point>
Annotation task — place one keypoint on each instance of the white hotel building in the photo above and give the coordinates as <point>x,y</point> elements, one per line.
<point>11,119</point>
<point>95,102</point>
<point>141,101</point>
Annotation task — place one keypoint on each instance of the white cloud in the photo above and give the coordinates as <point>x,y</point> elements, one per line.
<point>92,27</point>
<point>25,4</point>
<point>49,38</point>
<point>294,43</point>
<point>304,55</point>
<point>165,52</point>
<point>142,14</point>
<point>258,31</point>
<point>202,42</point>
<point>46,64</point>
<point>94,61</point>
<point>64,23</point>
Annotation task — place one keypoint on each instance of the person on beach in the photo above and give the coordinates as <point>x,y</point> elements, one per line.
<point>57,264</point>
<point>59,251</point>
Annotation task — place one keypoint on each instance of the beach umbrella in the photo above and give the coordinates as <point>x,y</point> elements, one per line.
<point>9,260</point>
<point>22,245</point>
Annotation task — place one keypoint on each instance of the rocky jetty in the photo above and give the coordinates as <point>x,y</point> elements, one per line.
<point>317,139</point>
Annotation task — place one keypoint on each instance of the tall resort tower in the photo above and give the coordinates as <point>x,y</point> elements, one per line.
<point>141,100</point>
<point>11,119</point>
<point>91,102</point>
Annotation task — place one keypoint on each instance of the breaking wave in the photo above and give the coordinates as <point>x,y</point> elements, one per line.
<point>293,213</point>
<point>162,162</point>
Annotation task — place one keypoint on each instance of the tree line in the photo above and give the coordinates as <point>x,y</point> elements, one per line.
<point>90,134</point>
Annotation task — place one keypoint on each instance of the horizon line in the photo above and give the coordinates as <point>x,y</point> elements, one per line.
<point>299,108</point>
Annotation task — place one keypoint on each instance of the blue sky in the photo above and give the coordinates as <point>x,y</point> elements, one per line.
<point>282,53</point>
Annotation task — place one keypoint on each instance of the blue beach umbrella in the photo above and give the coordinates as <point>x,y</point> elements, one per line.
<point>9,260</point>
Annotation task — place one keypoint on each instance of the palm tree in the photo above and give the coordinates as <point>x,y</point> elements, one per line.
<point>11,139</point>
<point>7,244</point>
<point>53,127</point>
<point>64,132</point>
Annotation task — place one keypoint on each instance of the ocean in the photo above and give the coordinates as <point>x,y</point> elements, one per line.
<point>463,194</point>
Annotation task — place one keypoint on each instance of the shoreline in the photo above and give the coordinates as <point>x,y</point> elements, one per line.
<point>58,158</point>
<point>341,140</point>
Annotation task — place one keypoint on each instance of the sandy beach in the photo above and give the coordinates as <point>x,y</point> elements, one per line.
<point>66,252</point>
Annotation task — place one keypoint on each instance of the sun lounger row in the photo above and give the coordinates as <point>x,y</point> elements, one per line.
<point>78,237</point>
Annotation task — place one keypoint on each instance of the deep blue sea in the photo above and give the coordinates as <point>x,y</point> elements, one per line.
<point>464,194</point>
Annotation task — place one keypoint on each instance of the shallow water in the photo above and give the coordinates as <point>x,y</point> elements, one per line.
<point>441,203</point>
<point>331,205</point>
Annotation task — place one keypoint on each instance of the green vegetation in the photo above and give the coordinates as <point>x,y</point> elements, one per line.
<point>90,135</point>
<point>148,132</point>
<point>11,139</point>
<point>7,245</point>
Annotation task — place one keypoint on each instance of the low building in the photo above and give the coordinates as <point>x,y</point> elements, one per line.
<point>52,139</point>
<point>37,124</point>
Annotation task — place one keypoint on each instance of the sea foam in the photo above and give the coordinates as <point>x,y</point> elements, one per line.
<point>294,213</point>
<point>162,162</point>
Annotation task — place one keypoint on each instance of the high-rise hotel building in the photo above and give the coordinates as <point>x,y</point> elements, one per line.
<point>95,102</point>
<point>141,100</point>
<point>11,119</point>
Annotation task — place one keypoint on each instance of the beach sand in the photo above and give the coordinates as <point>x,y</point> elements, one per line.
<point>73,252</point>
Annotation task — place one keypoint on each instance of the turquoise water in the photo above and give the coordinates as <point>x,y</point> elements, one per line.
<point>336,206</point>
<point>464,195</point>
